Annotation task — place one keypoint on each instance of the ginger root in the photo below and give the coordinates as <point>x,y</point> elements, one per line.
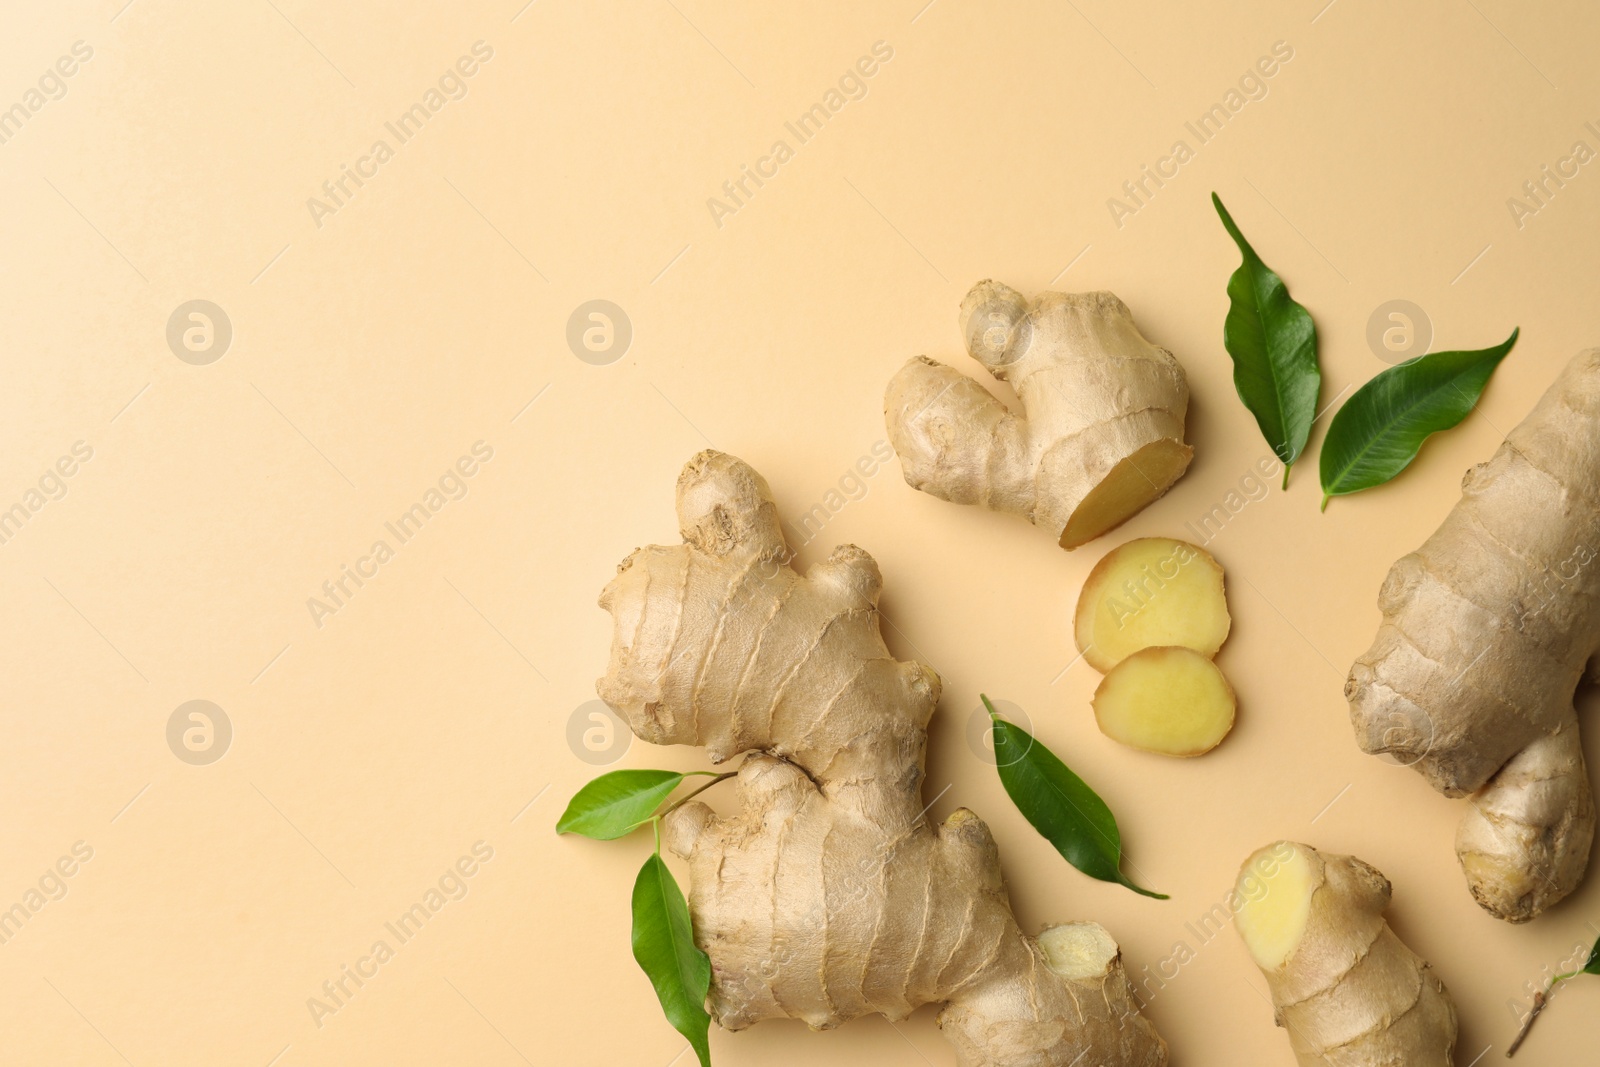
<point>831,895</point>
<point>1486,631</point>
<point>1169,700</point>
<point>1101,434</point>
<point>1350,993</point>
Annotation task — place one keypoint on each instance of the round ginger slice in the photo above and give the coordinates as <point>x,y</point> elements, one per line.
<point>1170,700</point>
<point>1149,592</point>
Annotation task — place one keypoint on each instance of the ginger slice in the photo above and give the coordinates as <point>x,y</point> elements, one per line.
<point>1165,699</point>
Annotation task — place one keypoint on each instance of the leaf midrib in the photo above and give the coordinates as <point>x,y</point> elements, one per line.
<point>663,901</point>
<point>1038,772</point>
<point>1335,482</point>
<point>604,811</point>
<point>1266,344</point>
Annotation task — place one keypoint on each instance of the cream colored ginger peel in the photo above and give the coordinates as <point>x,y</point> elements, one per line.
<point>1486,631</point>
<point>831,895</point>
<point>1349,992</point>
<point>1101,430</point>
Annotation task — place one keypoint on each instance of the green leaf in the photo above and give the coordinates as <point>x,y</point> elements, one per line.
<point>1379,430</point>
<point>617,803</point>
<point>1058,803</point>
<point>1593,966</point>
<point>1273,343</point>
<point>663,943</point>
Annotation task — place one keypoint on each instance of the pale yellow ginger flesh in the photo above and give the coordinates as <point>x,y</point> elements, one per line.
<point>1486,631</point>
<point>1151,591</point>
<point>1101,430</point>
<point>830,894</point>
<point>1078,950</point>
<point>1348,991</point>
<point>1168,700</point>
<point>1272,919</point>
<point>1127,489</point>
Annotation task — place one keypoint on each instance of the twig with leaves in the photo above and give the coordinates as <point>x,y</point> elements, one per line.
<point>612,806</point>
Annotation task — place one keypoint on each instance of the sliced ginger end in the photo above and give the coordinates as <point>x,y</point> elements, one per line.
<point>1078,950</point>
<point>1276,885</point>
<point>1168,700</point>
<point>1151,591</point>
<point>1126,489</point>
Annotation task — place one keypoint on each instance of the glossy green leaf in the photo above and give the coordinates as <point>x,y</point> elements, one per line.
<point>1379,430</point>
<point>1058,803</point>
<point>1273,343</point>
<point>617,803</point>
<point>663,943</point>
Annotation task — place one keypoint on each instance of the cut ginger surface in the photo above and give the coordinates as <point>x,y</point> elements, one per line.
<point>1151,591</point>
<point>1165,699</point>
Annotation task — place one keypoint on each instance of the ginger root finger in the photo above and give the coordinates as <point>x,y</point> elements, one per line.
<point>830,894</point>
<point>1151,591</point>
<point>1350,993</point>
<point>1487,629</point>
<point>1101,430</point>
<point>1529,829</point>
<point>1169,700</point>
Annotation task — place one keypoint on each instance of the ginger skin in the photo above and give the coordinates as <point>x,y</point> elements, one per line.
<point>1486,632</point>
<point>831,895</point>
<point>1101,434</point>
<point>1350,993</point>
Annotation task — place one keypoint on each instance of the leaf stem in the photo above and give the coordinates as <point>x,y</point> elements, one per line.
<point>1539,1002</point>
<point>1286,468</point>
<point>992,713</point>
<point>690,796</point>
<point>655,823</point>
<point>1141,890</point>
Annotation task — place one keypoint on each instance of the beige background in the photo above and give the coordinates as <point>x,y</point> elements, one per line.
<point>432,710</point>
